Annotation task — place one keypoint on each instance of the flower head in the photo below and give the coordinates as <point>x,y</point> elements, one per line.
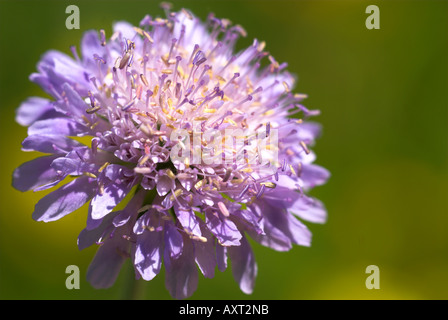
<point>194,138</point>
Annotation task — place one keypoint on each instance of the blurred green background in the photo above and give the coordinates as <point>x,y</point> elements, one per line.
<point>383,95</point>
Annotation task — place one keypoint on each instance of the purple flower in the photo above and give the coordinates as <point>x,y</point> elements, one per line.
<point>124,114</point>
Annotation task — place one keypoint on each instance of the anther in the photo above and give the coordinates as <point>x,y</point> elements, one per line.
<point>93,109</point>
<point>196,47</point>
<point>103,37</point>
<point>128,105</point>
<point>103,167</point>
<point>304,147</point>
<point>223,209</point>
<point>261,191</point>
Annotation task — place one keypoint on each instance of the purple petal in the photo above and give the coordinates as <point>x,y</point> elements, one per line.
<point>73,105</point>
<point>64,65</point>
<point>34,173</point>
<point>291,227</point>
<point>249,220</point>
<point>148,254</point>
<point>181,278</point>
<point>164,185</point>
<point>173,241</point>
<point>75,163</point>
<point>56,126</point>
<point>34,109</point>
<point>287,182</point>
<point>306,131</point>
<point>64,200</point>
<point>113,172</point>
<point>68,166</point>
<point>92,223</point>
<point>49,143</point>
<point>309,209</point>
<point>88,237</point>
<point>121,218</point>
<point>91,45</point>
<point>282,197</point>
<point>225,230</point>
<point>107,263</point>
<point>131,209</point>
<point>314,175</point>
<point>114,191</point>
<point>205,255</point>
<point>103,204</point>
<point>42,80</point>
<point>244,267</point>
<point>57,68</point>
<point>187,180</point>
<point>272,238</point>
<point>221,257</point>
<point>189,221</point>
<point>127,31</point>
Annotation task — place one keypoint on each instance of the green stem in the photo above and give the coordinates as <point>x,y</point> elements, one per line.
<point>133,289</point>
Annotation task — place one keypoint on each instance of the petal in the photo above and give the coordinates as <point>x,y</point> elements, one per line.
<point>114,172</point>
<point>189,221</point>
<point>282,197</point>
<point>75,162</point>
<point>73,105</point>
<point>221,257</point>
<point>272,238</point>
<point>289,182</point>
<point>249,219</point>
<point>130,210</point>
<point>164,185</point>
<point>148,254</point>
<point>103,204</point>
<point>60,68</point>
<point>297,231</point>
<point>181,278</point>
<point>244,267</point>
<point>309,209</point>
<point>187,180</point>
<point>314,175</point>
<point>56,126</point>
<point>88,237</point>
<point>205,255</point>
<point>107,263</point>
<point>173,241</point>
<point>34,109</point>
<point>290,226</point>
<point>91,45</point>
<point>305,207</point>
<point>92,223</point>
<point>128,32</point>
<point>115,190</point>
<point>121,218</point>
<point>224,230</point>
<point>49,143</point>
<point>34,173</point>
<point>68,166</point>
<point>42,80</point>
<point>64,200</point>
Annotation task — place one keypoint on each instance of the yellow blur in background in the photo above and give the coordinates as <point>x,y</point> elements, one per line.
<point>383,100</point>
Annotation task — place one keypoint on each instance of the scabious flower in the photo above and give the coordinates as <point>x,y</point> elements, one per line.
<point>110,131</point>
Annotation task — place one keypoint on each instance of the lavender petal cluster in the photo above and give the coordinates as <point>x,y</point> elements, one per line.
<point>106,135</point>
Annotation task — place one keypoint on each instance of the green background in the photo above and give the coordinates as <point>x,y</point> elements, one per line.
<point>384,100</point>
